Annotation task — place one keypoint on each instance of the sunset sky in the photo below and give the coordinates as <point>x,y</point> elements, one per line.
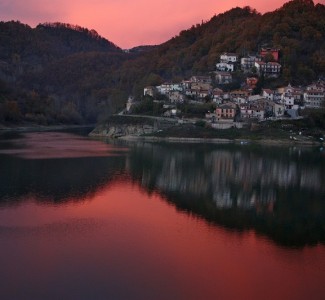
<point>127,23</point>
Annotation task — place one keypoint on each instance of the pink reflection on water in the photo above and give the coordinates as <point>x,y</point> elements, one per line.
<point>50,145</point>
<point>127,243</point>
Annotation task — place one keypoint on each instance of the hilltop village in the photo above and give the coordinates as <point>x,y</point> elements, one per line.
<point>249,102</point>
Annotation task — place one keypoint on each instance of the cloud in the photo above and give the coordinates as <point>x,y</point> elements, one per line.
<point>32,11</point>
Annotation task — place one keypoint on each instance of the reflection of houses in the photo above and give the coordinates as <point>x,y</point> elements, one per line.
<point>222,198</point>
<point>226,178</point>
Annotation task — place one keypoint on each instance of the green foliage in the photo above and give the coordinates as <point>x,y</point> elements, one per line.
<point>11,111</point>
<point>200,123</point>
<point>196,110</point>
<point>148,107</point>
<point>315,118</point>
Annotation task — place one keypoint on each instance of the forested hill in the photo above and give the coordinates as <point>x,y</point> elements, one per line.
<point>48,41</point>
<point>59,72</point>
<point>297,28</point>
<point>29,92</point>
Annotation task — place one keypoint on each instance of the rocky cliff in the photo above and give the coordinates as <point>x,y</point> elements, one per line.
<point>118,126</point>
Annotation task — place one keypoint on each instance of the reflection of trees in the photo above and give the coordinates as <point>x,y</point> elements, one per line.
<point>55,180</point>
<point>239,188</point>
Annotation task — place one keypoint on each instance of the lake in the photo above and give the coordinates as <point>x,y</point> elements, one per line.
<point>99,219</point>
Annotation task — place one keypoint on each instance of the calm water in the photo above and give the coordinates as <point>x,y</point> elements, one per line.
<point>85,219</point>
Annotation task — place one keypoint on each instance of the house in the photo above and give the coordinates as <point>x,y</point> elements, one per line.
<point>278,110</point>
<point>253,98</point>
<point>239,100</point>
<point>277,97</point>
<point>192,93</point>
<point>248,62</point>
<point>201,79</point>
<point>239,94</point>
<point>270,69</point>
<point>254,110</point>
<point>246,112</point>
<point>288,100</point>
<point>223,77</point>
<point>261,108</point>
<point>217,96</point>
<point>258,112</point>
<point>164,88</point>
<point>314,98</point>
<point>270,52</point>
<point>176,97</point>
<point>177,87</point>
<point>296,93</point>
<point>150,91</point>
<point>203,94</point>
<point>226,111</point>
<point>228,57</point>
<point>268,94</point>
<point>201,86</point>
<point>225,66</point>
<point>186,84</point>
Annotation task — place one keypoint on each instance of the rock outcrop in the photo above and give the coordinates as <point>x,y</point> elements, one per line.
<point>118,126</point>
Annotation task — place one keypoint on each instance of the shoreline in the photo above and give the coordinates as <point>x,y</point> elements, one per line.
<point>271,142</point>
<point>40,128</point>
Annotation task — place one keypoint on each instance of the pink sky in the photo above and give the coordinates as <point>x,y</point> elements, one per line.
<point>127,23</point>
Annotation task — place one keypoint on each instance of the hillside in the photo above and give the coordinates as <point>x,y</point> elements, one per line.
<point>63,73</point>
<point>35,64</point>
<point>297,28</point>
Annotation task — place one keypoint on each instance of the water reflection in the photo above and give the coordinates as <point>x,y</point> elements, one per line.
<point>55,167</point>
<point>88,220</point>
<point>278,192</point>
